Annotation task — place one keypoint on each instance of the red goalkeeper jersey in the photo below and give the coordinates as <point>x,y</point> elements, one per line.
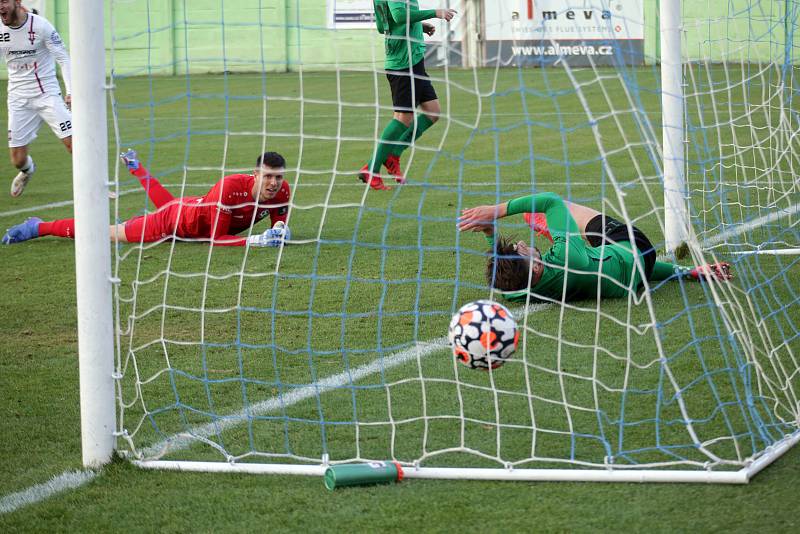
<point>226,210</point>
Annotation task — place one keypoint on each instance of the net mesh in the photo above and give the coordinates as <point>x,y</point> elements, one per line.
<point>332,348</point>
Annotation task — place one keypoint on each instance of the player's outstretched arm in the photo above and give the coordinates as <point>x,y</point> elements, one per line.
<point>560,221</point>
<point>477,219</point>
<point>403,13</point>
<point>717,271</point>
<point>54,44</point>
<point>557,211</point>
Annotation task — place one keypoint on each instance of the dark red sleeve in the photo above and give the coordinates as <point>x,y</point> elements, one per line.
<point>280,212</point>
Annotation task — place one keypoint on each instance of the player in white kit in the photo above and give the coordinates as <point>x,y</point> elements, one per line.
<point>31,47</point>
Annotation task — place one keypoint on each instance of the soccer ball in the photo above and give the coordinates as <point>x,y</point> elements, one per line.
<point>483,335</point>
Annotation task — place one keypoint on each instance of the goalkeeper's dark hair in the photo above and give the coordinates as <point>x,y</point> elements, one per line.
<point>505,269</point>
<point>271,159</point>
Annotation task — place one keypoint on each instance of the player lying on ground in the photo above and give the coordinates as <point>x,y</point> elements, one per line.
<point>616,258</point>
<point>31,48</point>
<point>402,24</point>
<point>233,205</point>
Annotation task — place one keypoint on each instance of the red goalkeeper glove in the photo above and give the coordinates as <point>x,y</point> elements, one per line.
<point>718,271</point>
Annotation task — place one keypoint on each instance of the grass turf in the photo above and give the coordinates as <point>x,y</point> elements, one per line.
<point>378,274</point>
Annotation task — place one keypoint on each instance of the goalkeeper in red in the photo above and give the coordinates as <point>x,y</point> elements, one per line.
<point>402,24</point>
<point>593,255</point>
<point>232,206</point>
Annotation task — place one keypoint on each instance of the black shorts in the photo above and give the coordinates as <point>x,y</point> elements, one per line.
<point>400,81</point>
<point>615,231</point>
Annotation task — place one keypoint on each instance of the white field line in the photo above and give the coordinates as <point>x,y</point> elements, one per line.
<point>768,252</point>
<point>184,440</point>
<point>420,350</point>
<point>75,479</point>
<point>52,205</point>
<point>751,225</point>
<point>42,207</point>
<point>65,481</point>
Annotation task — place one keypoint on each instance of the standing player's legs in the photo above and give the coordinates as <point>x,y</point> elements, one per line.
<point>55,113</point>
<point>23,124</point>
<point>370,173</point>
<point>428,103</point>
<point>390,152</point>
<point>409,89</point>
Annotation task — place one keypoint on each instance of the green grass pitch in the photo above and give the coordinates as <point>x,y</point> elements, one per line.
<point>375,276</point>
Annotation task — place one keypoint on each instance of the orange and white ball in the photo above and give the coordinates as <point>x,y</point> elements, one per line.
<point>483,334</point>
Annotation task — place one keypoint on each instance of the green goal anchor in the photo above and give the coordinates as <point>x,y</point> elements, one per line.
<point>340,476</point>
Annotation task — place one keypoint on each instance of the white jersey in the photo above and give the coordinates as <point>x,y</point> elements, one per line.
<point>31,52</point>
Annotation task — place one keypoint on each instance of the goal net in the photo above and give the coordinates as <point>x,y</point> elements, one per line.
<point>332,348</point>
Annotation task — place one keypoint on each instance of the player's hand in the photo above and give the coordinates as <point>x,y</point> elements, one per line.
<point>274,237</point>
<point>479,218</point>
<point>130,159</point>
<point>282,231</point>
<point>718,271</point>
<point>429,29</point>
<point>68,101</point>
<point>446,14</point>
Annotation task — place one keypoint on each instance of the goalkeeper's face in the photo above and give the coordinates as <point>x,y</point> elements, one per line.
<point>268,181</point>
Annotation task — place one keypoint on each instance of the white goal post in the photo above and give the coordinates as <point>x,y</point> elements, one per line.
<point>92,252</point>
<point>676,217</point>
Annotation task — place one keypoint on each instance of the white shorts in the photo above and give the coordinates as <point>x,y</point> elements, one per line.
<point>25,115</point>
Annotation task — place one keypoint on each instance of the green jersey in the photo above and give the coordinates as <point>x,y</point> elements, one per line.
<point>573,270</point>
<point>401,23</point>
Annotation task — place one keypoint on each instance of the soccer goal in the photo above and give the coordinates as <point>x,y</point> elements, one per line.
<point>680,118</point>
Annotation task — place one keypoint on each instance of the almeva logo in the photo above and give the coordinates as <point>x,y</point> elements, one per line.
<point>572,14</point>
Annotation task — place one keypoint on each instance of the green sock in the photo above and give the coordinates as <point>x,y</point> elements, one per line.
<point>393,132</point>
<point>423,123</point>
<point>663,270</point>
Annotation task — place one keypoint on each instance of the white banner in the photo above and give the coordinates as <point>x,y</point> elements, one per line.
<point>443,47</point>
<point>585,20</point>
<point>359,14</point>
<point>351,14</point>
